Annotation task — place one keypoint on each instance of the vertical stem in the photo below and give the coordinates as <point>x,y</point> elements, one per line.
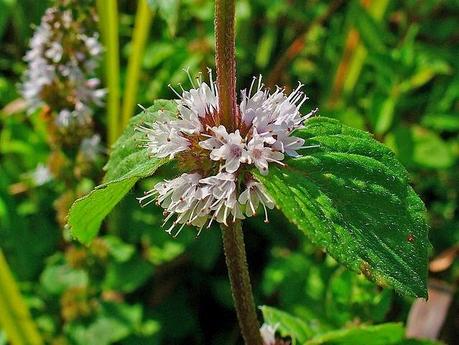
<point>225,62</point>
<point>143,20</point>
<point>233,238</point>
<point>233,244</point>
<point>15,318</point>
<point>108,13</point>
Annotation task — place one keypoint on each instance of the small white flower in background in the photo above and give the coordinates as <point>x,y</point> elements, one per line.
<point>41,175</point>
<point>223,189</point>
<point>91,147</point>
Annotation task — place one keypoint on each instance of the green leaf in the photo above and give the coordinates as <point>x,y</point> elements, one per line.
<point>442,121</point>
<point>5,10</point>
<point>369,28</point>
<point>128,163</point>
<point>120,250</point>
<point>419,147</point>
<point>113,324</point>
<point>383,108</point>
<point>420,342</point>
<point>56,279</point>
<point>352,197</point>
<point>287,325</point>
<point>169,11</point>
<point>127,276</point>
<point>385,334</point>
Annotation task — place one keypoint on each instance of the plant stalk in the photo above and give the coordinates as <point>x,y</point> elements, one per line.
<point>15,318</point>
<point>236,261</point>
<point>108,14</point>
<point>233,238</point>
<point>225,62</point>
<point>143,21</point>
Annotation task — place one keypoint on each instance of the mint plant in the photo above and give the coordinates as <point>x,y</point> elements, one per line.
<point>338,185</point>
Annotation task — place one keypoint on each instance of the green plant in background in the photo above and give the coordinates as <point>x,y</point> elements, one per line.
<point>15,317</point>
<point>151,288</point>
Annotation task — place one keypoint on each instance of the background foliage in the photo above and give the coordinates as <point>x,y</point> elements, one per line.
<point>386,67</point>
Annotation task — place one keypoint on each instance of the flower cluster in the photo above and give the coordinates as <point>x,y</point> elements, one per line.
<point>220,185</point>
<point>64,52</point>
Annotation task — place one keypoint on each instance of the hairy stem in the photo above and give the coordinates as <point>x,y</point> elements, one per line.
<point>233,239</point>
<point>225,62</point>
<point>233,244</point>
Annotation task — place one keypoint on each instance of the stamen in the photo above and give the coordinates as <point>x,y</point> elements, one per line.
<point>187,71</point>
<point>251,205</point>
<point>275,161</point>
<point>251,85</point>
<point>142,107</point>
<point>309,147</point>
<point>173,90</point>
<point>199,231</point>
<point>266,212</point>
<point>260,85</point>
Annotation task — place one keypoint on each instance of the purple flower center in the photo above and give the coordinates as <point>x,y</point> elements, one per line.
<point>236,150</point>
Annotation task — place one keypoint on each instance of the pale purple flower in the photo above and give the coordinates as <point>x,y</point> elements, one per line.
<point>254,195</point>
<point>268,334</point>
<point>221,189</point>
<point>227,147</point>
<point>228,191</point>
<point>261,155</point>
<point>164,140</point>
<point>196,201</point>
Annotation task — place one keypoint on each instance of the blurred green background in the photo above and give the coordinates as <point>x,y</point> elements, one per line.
<point>389,67</point>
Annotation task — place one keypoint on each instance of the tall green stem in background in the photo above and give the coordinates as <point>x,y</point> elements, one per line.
<point>354,56</point>
<point>233,238</point>
<point>108,13</point>
<point>143,20</point>
<point>14,316</point>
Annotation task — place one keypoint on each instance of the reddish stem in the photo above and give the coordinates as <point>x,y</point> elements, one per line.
<point>225,63</point>
<point>236,261</point>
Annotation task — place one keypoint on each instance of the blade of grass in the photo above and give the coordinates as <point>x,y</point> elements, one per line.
<point>100,4</point>
<point>297,46</point>
<point>354,55</point>
<point>15,318</point>
<point>143,21</point>
<point>108,13</point>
